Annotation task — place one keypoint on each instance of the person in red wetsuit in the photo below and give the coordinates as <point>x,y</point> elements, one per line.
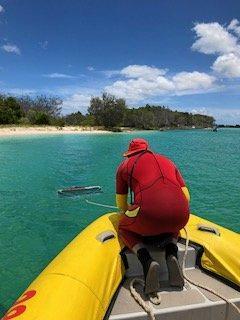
<point>159,207</point>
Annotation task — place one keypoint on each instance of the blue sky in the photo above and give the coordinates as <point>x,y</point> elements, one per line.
<point>183,54</point>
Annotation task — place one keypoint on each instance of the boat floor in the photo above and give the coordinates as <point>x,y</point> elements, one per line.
<point>190,303</point>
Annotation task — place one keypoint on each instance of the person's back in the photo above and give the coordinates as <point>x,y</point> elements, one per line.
<point>159,206</point>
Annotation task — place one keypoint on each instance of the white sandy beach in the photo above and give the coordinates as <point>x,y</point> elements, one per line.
<point>39,130</point>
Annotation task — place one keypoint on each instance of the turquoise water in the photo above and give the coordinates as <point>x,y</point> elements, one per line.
<point>36,223</point>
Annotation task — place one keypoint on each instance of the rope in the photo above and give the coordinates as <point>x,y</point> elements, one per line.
<point>200,285</point>
<point>100,204</point>
<point>147,307</point>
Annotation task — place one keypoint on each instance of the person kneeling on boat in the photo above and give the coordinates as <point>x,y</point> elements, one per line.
<point>160,207</point>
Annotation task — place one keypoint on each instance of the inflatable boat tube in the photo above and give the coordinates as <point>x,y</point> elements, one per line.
<point>79,284</point>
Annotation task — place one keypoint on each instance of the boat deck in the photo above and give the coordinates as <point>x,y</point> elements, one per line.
<point>190,303</point>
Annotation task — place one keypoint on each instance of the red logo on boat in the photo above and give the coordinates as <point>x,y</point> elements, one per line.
<point>18,308</point>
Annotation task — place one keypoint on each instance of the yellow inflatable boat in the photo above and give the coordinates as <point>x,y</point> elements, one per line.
<point>89,279</point>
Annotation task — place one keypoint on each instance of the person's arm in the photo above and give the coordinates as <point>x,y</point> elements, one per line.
<point>121,202</point>
<point>182,184</point>
<point>186,193</point>
<point>121,190</point>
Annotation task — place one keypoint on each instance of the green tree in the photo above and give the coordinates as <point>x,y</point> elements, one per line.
<point>88,120</point>
<point>41,109</point>
<point>37,117</point>
<point>49,105</point>
<point>10,110</point>
<point>74,119</point>
<point>108,111</point>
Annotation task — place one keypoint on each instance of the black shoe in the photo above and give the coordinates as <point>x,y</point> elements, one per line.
<point>171,249</point>
<point>152,278</point>
<point>151,270</point>
<point>176,278</point>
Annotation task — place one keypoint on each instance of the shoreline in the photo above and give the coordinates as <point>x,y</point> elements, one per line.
<point>8,131</point>
<point>14,130</point>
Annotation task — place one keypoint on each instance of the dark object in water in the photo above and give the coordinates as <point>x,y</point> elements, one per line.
<point>215,129</point>
<point>76,190</point>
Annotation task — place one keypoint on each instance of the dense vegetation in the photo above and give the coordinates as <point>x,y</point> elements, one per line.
<point>106,111</point>
<point>156,117</point>
<point>41,110</point>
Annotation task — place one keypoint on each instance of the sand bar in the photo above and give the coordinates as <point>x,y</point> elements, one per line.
<point>39,130</point>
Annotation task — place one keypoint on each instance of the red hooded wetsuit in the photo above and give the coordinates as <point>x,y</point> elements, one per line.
<point>156,183</point>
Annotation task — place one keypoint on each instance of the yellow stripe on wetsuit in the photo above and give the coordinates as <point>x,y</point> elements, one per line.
<point>186,193</point>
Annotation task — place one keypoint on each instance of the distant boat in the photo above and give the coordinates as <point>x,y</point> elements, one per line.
<point>215,128</point>
<point>78,190</point>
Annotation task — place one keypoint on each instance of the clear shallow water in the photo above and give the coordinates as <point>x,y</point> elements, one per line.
<point>36,223</point>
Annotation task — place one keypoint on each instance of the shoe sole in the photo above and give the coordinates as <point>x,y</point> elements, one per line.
<point>175,272</point>
<point>152,279</point>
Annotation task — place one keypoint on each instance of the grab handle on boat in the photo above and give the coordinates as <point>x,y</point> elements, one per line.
<point>106,235</point>
<point>210,229</point>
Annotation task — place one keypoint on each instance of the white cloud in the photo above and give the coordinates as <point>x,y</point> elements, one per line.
<point>138,89</point>
<point>43,44</point>
<point>111,73</point>
<point>11,48</point>
<point>19,91</point>
<point>222,41</point>
<point>214,39</point>
<point>234,26</point>
<point>76,102</point>
<point>142,71</point>
<point>58,76</point>
<point>193,81</point>
<point>228,65</point>
<point>1,9</point>
<point>225,116</point>
<point>143,84</point>
<point>203,111</point>
<point>90,68</point>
